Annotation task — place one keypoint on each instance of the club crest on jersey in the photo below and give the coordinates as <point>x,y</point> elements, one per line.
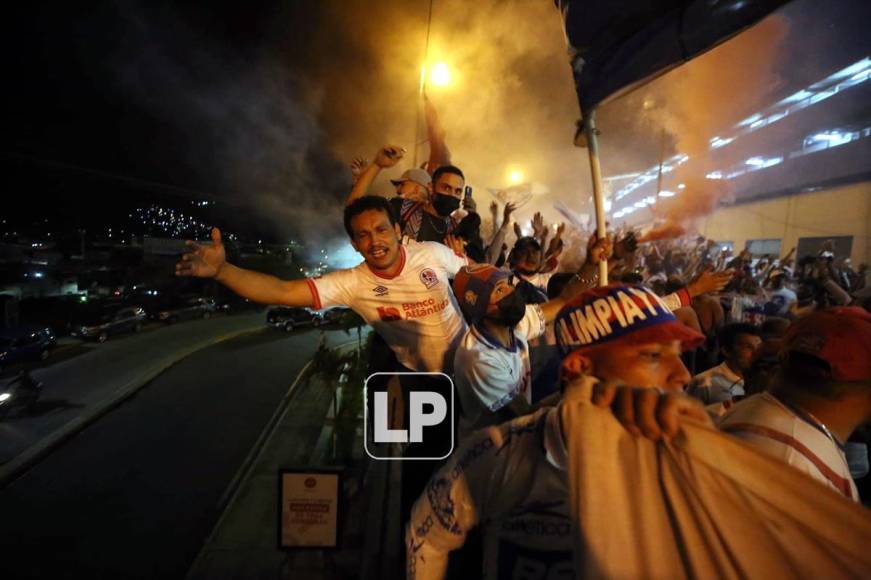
<point>380,290</point>
<point>429,278</point>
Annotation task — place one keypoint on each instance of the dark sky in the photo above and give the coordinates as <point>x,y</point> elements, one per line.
<point>260,104</point>
<point>110,101</point>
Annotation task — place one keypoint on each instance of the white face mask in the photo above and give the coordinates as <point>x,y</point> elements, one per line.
<point>857,459</point>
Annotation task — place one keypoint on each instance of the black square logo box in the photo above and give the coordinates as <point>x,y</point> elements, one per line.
<point>401,392</point>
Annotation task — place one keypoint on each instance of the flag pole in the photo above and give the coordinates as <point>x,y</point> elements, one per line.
<point>596,171</point>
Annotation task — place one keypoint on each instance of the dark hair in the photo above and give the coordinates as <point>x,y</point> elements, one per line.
<point>557,284</point>
<point>469,227</point>
<point>447,169</point>
<point>367,203</point>
<point>522,249</point>
<point>774,327</point>
<point>632,278</point>
<point>728,335</point>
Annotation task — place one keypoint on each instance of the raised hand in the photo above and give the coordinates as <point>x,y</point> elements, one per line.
<point>598,250</point>
<point>357,167</point>
<point>388,156</point>
<point>709,281</point>
<point>509,209</point>
<point>626,245</point>
<point>203,260</point>
<point>537,224</point>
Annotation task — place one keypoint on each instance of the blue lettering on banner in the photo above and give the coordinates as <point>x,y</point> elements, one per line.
<point>520,563</point>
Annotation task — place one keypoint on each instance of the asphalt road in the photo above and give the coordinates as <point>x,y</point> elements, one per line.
<point>135,494</point>
<point>75,385</point>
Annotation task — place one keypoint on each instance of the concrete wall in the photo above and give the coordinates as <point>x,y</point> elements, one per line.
<point>839,211</point>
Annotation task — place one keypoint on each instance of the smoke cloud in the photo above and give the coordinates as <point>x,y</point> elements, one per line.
<point>707,97</point>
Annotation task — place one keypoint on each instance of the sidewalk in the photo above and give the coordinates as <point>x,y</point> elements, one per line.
<point>306,434</point>
<point>79,390</point>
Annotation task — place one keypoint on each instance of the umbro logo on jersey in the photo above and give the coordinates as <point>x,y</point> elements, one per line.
<point>380,290</point>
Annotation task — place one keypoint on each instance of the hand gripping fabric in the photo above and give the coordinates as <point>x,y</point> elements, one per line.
<point>702,506</point>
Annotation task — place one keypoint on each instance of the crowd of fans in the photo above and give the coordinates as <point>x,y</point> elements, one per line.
<point>774,351</point>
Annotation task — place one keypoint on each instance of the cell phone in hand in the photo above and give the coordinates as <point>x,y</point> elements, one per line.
<point>468,194</point>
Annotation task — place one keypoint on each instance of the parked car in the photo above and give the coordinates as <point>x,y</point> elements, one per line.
<point>25,343</point>
<point>190,309</point>
<point>332,316</point>
<point>290,318</point>
<point>126,319</point>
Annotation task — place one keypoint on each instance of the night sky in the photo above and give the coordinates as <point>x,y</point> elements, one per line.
<point>96,121</point>
<point>259,105</point>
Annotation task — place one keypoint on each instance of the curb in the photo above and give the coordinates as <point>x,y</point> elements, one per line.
<point>231,494</point>
<point>16,467</point>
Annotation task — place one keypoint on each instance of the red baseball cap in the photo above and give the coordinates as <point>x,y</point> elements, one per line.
<point>839,336</point>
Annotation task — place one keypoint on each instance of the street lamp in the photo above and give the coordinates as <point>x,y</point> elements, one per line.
<point>515,177</point>
<point>440,75</point>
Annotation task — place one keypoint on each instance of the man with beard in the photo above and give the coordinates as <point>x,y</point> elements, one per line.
<point>402,291</point>
<point>512,479</point>
<point>424,216</point>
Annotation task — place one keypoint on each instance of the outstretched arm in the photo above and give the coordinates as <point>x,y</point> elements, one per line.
<point>586,278</point>
<point>210,261</point>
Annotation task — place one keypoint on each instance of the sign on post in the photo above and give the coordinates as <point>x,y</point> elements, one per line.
<point>309,509</point>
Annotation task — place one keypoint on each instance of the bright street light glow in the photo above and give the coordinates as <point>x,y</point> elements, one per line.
<point>515,176</point>
<point>440,75</point>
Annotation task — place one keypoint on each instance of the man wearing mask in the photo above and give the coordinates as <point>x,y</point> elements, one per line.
<point>492,367</point>
<point>429,216</point>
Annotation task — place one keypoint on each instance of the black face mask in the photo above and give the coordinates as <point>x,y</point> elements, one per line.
<point>445,205</point>
<point>512,308</point>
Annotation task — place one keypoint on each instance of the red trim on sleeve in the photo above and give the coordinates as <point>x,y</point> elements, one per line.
<point>316,297</point>
<point>840,483</point>
<point>685,298</point>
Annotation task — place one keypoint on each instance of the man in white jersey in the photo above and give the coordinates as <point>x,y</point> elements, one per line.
<point>821,397</point>
<point>511,479</point>
<point>402,291</point>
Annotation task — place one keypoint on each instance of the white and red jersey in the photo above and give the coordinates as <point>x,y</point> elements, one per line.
<point>414,310</point>
<point>511,480</point>
<point>488,376</point>
<point>770,426</point>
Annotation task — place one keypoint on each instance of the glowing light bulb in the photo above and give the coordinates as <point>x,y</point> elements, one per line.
<point>440,75</point>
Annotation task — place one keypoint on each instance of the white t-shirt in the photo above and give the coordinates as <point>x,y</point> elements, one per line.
<point>539,280</point>
<point>770,426</point>
<point>488,376</point>
<point>782,298</point>
<point>716,385</point>
<point>414,311</point>
<point>511,480</point>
